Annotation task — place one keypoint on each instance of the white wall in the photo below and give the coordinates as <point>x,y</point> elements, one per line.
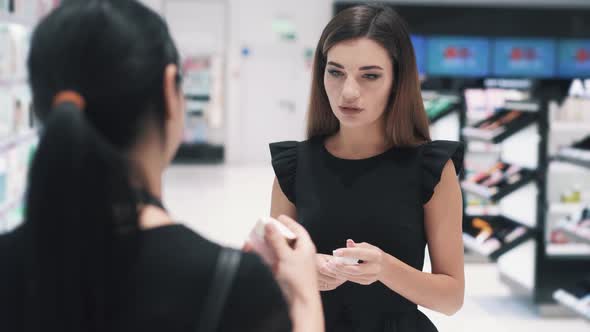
<point>266,92</point>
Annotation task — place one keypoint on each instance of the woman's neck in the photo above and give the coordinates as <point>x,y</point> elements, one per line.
<point>359,142</point>
<point>147,161</point>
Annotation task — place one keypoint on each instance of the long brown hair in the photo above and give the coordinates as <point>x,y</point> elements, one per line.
<point>406,121</point>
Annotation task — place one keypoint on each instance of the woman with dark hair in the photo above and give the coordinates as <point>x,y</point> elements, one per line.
<point>98,251</point>
<point>369,184</point>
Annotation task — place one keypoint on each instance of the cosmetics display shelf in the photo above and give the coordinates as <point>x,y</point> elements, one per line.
<point>576,299</point>
<point>502,235</point>
<point>580,234</point>
<point>552,266</point>
<point>574,157</point>
<point>521,105</point>
<point>500,126</point>
<point>496,194</point>
<point>11,142</point>
<point>568,251</point>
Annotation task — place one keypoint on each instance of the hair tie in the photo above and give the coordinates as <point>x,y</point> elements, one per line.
<point>69,96</point>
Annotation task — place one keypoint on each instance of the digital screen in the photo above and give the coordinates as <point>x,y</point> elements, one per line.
<point>524,57</point>
<point>574,58</point>
<point>458,57</point>
<point>419,44</point>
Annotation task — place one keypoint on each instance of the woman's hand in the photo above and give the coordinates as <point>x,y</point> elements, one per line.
<point>326,279</point>
<point>296,272</point>
<point>365,273</point>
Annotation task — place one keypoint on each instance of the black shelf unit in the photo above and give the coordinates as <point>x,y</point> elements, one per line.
<point>576,234</point>
<point>521,235</point>
<point>573,160</point>
<point>551,271</point>
<point>527,176</point>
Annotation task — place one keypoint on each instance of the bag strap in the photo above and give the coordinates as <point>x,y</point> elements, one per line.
<point>228,262</point>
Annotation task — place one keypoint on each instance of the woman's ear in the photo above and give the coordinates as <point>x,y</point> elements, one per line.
<point>172,93</point>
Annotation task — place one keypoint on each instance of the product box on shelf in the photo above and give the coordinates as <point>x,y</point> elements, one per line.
<point>15,111</point>
<point>14,47</point>
<point>578,153</point>
<point>483,103</point>
<point>3,180</point>
<point>22,109</point>
<point>492,236</point>
<point>498,181</point>
<point>6,113</point>
<point>500,125</point>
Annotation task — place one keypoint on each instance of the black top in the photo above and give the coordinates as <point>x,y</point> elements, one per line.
<point>378,200</point>
<point>166,288</point>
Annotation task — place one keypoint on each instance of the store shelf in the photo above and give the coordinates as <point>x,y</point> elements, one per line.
<point>195,113</point>
<point>576,233</point>
<point>477,210</point>
<point>11,142</point>
<point>490,194</point>
<point>433,94</point>
<point>523,106</point>
<point>574,156</point>
<point>500,134</point>
<point>197,97</point>
<point>571,302</point>
<point>562,126</point>
<point>557,166</point>
<point>10,205</point>
<point>568,251</point>
<point>199,153</point>
<point>483,147</point>
<point>494,249</point>
<point>443,114</point>
<point>17,19</point>
<point>565,208</point>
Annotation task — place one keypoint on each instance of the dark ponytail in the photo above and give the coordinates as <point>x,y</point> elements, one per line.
<point>82,202</point>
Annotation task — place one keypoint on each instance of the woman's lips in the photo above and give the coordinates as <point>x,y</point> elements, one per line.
<point>349,110</point>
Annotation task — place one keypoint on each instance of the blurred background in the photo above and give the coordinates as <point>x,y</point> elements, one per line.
<point>511,79</point>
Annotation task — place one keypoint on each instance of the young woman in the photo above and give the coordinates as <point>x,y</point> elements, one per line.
<point>98,251</point>
<point>370,184</point>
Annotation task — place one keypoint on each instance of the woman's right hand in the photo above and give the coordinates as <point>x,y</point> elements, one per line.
<point>294,268</point>
<point>296,272</point>
<point>327,280</point>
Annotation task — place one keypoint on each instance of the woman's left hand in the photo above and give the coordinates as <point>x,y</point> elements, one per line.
<point>365,273</point>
